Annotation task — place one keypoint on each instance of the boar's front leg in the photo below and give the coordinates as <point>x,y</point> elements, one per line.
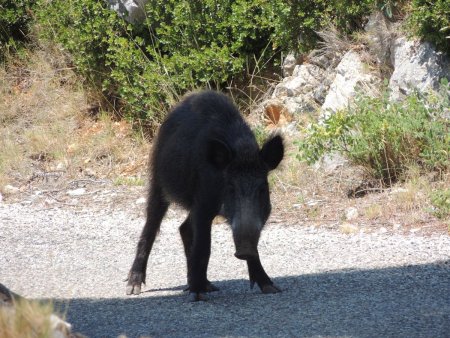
<point>201,216</point>
<point>259,276</point>
<point>156,209</point>
<point>186,233</point>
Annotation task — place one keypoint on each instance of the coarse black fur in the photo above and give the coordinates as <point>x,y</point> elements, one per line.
<point>206,159</point>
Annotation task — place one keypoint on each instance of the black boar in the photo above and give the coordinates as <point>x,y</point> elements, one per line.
<point>206,159</point>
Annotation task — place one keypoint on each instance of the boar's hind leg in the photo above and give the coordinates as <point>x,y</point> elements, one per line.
<point>187,237</point>
<point>260,277</point>
<point>156,209</point>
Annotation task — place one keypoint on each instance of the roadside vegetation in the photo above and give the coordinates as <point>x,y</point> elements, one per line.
<point>83,91</point>
<point>386,138</point>
<point>139,71</point>
<point>26,319</point>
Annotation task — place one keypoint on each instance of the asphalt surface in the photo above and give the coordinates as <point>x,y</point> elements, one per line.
<point>334,285</point>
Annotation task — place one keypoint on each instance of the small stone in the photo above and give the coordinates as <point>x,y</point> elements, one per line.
<point>60,166</point>
<point>141,200</point>
<point>89,172</point>
<point>10,190</point>
<point>351,213</point>
<point>399,191</point>
<point>76,192</point>
<point>383,230</point>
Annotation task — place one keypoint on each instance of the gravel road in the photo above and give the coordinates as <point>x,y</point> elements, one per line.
<point>334,285</point>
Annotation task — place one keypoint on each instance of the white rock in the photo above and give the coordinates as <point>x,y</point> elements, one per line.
<point>76,192</point>
<point>416,66</point>
<point>303,80</point>
<point>296,92</point>
<point>289,63</point>
<point>396,226</point>
<point>351,74</point>
<point>330,162</point>
<point>351,213</point>
<point>131,10</point>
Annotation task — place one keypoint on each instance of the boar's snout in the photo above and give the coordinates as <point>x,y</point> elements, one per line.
<point>246,254</point>
<point>247,226</point>
<point>246,248</point>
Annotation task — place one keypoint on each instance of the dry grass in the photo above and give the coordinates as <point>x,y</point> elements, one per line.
<point>45,125</point>
<point>26,320</point>
<point>373,211</point>
<point>310,196</point>
<point>333,43</point>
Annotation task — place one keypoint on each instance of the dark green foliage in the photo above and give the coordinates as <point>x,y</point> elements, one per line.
<point>15,17</point>
<point>298,21</point>
<point>180,46</point>
<point>440,199</point>
<point>431,21</point>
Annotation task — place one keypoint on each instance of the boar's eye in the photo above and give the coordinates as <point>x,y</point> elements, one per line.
<point>230,188</point>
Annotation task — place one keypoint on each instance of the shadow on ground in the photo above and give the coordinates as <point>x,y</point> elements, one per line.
<point>409,301</point>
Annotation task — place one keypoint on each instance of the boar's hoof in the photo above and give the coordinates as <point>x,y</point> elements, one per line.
<point>270,288</point>
<point>197,296</point>
<point>134,289</point>
<point>210,287</point>
<point>135,279</point>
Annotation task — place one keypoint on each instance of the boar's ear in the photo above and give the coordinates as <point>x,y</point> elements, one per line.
<point>272,151</point>
<point>218,153</point>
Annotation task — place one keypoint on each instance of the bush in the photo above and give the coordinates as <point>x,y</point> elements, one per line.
<point>180,46</point>
<point>430,20</point>
<point>440,199</point>
<point>298,21</point>
<point>141,70</point>
<point>386,137</point>
<point>15,17</point>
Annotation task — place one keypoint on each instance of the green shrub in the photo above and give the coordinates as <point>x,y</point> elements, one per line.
<point>298,21</point>
<point>386,137</point>
<point>430,20</point>
<point>141,70</point>
<point>181,45</point>
<point>440,199</point>
<point>15,17</point>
